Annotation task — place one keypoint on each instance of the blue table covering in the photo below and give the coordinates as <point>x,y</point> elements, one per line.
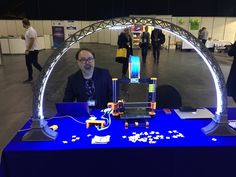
<point>173,147</point>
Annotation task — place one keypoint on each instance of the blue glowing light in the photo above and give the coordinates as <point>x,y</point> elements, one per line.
<point>134,69</point>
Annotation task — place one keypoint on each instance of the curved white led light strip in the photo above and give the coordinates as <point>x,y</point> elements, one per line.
<point>166,26</point>
<point>219,109</point>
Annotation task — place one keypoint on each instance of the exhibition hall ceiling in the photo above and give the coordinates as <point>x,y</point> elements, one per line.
<point>12,9</point>
<point>106,9</point>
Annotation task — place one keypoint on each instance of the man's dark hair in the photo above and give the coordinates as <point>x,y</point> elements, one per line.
<point>26,21</point>
<point>78,52</point>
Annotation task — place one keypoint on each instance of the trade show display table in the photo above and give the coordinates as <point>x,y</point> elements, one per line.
<point>170,147</point>
<point>216,45</point>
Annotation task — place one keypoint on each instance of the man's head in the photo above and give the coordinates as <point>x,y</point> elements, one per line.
<point>86,60</point>
<point>159,30</point>
<point>26,23</point>
<point>126,30</point>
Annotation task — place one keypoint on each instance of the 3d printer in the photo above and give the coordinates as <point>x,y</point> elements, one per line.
<point>135,114</point>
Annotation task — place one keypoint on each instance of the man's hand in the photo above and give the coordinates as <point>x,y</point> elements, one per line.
<point>22,37</point>
<point>26,52</point>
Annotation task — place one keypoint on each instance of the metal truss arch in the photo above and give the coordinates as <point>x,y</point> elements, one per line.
<point>220,116</point>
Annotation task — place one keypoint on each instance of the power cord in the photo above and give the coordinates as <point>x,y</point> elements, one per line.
<point>22,130</point>
<point>58,117</point>
<point>107,112</point>
<point>66,116</point>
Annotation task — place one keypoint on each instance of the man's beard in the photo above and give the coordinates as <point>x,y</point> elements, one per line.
<point>88,67</point>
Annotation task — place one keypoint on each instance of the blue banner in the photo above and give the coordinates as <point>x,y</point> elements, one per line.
<point>58,35</point>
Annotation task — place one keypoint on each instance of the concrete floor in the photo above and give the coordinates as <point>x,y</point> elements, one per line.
<point>184,70</point>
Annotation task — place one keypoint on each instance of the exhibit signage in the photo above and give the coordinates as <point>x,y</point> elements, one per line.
<point>70,28</point>
<point>58,33</point>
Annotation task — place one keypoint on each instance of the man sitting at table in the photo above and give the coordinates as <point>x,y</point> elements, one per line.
<point>90,84</point>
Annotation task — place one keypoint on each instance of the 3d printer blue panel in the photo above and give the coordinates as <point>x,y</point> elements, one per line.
<point>134,69</point>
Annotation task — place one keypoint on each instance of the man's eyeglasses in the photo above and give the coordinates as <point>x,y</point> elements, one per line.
<point>84,60</point>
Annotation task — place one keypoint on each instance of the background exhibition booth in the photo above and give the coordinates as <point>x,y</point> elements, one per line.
<point>221,31</point>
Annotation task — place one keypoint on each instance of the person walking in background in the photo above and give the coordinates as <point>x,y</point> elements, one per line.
<point>32,50</point>
<point>200,34</point>
<point>144,43</point>
<point>157,38</point>
<point>125,41</point>
<point>204,35</point>
<point>231,82</point>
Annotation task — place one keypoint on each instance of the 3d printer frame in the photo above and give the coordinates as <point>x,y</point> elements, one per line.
<point>119,107</point>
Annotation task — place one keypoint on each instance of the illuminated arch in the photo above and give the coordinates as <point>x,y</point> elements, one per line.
<point>218,126</point>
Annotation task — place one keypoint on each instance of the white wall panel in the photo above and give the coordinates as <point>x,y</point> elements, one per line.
<point>58,23</point>
<point>94,38</point>
<point>107,36</point>
<point>20,30</point>
<point>208,23</point>
<point>38,26</point>
<point>17,46</point>
<point>114,36</point>
<point>230,29</point>
<point>79,24</point>
<point>101,36</point>
<point>218,28</point>
<point>5,46</point>
<point>11,27</point>
<point>47,41</point>
<point>3,28</point>
<point>47,27</point>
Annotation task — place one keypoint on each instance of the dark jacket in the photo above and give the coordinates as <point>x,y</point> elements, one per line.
<point>125,41</point>
<point>231,82</point>
<point>75,89</point>
<point>157,37</point>
<point>145,37</point>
